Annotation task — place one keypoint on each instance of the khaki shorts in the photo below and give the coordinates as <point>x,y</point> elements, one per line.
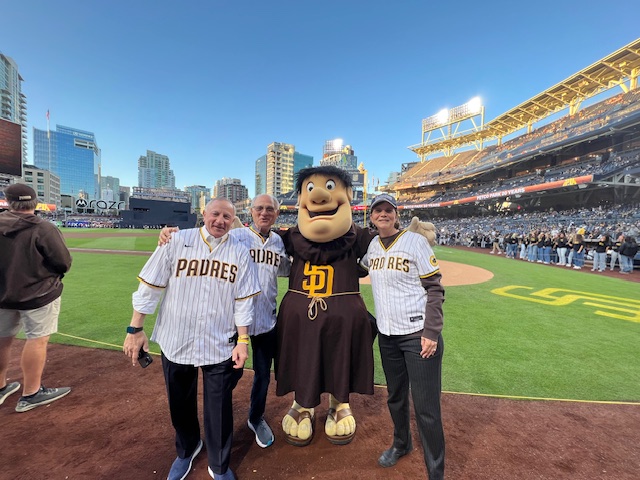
<point>39,322</point>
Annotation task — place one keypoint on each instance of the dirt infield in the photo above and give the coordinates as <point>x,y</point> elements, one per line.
<point>115,425</point>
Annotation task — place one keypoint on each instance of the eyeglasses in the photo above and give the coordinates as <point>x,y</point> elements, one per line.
<point>260,208</point>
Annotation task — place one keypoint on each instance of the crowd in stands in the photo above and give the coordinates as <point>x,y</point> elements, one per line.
<point>589,165</point>
<point>514,234</point>
<point>446,170</point>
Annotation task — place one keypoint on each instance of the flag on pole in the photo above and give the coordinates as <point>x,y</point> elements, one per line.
<point>48,131</point>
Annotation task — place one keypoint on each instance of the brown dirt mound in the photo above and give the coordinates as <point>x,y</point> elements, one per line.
<point>115,425</point>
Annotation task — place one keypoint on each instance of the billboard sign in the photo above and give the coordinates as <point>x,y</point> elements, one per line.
<point>10,148</point>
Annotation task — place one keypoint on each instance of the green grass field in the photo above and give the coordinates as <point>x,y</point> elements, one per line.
<point>576,340</point>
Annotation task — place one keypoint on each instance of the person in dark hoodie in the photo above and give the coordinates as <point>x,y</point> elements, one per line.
<point>34,259</point>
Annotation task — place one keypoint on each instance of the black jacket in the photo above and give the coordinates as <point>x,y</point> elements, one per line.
<point>628,249</point>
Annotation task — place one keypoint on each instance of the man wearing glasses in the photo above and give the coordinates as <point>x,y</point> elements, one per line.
<point>267,251</point>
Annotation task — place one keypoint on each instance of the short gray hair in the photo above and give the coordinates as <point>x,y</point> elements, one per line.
<point>274,200</point>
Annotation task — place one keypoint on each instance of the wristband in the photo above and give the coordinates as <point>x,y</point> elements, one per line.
<point>243,340</point>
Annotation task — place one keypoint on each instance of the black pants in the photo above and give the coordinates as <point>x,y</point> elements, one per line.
<point>264,349</point>
<point>219,380</point>
<point>406,370</point>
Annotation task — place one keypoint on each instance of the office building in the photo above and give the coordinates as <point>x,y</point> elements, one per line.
<point>275,171</point>
<point>110,188</point>
<point>45,184</point>
<point>13,103</point>
<point>230,188</point>
<point>199,195</point>
<point>154,171</point>
<point>71,154</point>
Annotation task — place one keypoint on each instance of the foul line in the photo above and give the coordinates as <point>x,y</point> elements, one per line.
<point>119,347</point>
<point>490,395</point>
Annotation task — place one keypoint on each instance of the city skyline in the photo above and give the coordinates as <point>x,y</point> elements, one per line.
<point>213,94</point>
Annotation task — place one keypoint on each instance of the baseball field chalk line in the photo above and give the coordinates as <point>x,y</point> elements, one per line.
<point>491,395</point>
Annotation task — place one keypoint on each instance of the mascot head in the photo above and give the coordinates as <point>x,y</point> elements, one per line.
<point>324,203</point>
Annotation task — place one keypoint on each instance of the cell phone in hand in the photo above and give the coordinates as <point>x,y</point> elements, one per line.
<point>144,358</point>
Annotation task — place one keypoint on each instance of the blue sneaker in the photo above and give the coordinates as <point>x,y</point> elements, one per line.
<point>264,435</point>
<point>182,466</point>
<point>228,475</point>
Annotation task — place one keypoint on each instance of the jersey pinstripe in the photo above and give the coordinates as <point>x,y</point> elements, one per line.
<point>271,261</point>
<point>395,274</point>
<point>202,278</point>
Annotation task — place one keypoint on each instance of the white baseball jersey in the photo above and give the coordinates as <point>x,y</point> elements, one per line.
<point>271,261</point>
<point>208,284</point>
<point>395,274</point>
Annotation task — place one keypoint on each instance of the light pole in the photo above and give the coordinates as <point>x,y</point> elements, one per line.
<point>363,171</point>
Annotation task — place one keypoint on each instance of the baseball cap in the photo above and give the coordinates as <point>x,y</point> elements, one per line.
<point>19,192</point>
<point>384,197</point>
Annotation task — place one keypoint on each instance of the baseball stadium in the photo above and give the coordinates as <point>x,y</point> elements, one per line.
<point>541,367</point>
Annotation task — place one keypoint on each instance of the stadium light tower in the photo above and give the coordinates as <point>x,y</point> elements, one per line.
<point>449,123</point>
<point>363,171</point>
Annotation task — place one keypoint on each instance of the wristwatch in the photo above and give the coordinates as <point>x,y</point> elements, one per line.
<point>131,329</point>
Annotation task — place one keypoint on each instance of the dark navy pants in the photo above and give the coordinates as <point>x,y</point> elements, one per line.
<point>264,349</point>
<point>218,380</point>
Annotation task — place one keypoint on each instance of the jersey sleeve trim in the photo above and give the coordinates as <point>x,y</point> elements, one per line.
<point>142,280</point>
<point>430,274</point>
<point>249,296</point>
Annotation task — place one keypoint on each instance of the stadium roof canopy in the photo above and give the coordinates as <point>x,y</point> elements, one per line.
<point>614,70</point>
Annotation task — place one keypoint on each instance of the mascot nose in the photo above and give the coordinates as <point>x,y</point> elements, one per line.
<point>319,195</point>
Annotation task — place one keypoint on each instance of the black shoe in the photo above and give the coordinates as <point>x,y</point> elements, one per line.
<point>390,457</point>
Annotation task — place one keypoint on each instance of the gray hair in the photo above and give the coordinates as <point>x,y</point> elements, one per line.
<point>274,200</point>
<point>220,199</point>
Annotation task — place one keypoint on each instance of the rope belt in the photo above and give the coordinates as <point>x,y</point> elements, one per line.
<point>319,302</point>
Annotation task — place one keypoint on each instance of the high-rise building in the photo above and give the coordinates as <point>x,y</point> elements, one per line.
<point>110,188</point>
<point>154,171</point>
<point>45,184</point>
<point>275,171</point>
<point>230,188</point>
<point>13,103</point>
<point>71,154</point>
<point>261,175</point>
<point>198,193</point>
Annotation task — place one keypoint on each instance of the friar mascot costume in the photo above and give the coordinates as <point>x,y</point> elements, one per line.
<point>325,335</point>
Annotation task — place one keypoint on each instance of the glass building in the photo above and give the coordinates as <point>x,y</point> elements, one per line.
<point>71,154</point>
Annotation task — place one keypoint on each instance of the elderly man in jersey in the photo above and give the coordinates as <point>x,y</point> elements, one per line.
<point>208,281</point>
<point>267,252</point>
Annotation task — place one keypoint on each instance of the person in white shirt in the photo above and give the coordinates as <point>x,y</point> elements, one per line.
<point>408,296</point>
<point>267,251</point>
<point>208,280</point>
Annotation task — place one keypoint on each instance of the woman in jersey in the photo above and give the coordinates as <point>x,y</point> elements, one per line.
<point>408,296</point>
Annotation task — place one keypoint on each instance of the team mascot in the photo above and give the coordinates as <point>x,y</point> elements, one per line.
<point>325,336</point>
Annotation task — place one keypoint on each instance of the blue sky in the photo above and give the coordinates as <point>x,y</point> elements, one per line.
<point>211,83</point>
